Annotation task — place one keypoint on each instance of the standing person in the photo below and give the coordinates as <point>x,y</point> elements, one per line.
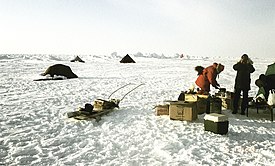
<point>208,76</point>
<point>242,82</point>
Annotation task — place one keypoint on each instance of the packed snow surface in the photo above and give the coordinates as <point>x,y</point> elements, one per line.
<point>36,131</point>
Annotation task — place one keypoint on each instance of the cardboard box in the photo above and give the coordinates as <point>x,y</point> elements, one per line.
<point>216,123</point>
<point>215,105</point>
<point>191,97</point>
<point>201,100</point>
<point>202,105</point>
<point>226,94</point>
<point>162,110</point>
<point>227,103</point>
<point>227,99</point>
<point>183,111</point>
<point>100,105</point>
<point>194,97</point>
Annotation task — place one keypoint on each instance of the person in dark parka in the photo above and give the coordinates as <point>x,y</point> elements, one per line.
<point>242,82</point>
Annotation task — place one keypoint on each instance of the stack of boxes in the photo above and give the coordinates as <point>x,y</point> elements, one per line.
<point>178,110</point>
<point>193,105</point>
<point>227,99</point>
<point>188,109</point>
<point>201,101</point>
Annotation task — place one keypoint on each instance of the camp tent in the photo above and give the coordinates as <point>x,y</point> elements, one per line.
<point>77,59</point>
<point>270,69</point>
<point>127,59</point>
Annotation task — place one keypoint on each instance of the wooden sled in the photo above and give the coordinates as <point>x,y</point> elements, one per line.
<point>84,115</point>
<point>101,107</point>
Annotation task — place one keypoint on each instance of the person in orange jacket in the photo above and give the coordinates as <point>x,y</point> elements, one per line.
<point>208,76</point>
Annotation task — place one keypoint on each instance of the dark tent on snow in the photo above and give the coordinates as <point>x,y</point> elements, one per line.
<point>77,59</point>
<point>58,70</point>
<point>127,59</point>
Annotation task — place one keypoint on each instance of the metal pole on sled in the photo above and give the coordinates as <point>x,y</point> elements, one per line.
<point>131,91</point>
<point>127,92</point>
<point>118,89</point>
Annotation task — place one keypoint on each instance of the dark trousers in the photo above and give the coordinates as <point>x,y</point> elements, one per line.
<point>244,103</point>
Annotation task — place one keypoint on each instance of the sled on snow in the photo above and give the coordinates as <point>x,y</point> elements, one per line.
<point>100,107</point>
<point>85,115</point>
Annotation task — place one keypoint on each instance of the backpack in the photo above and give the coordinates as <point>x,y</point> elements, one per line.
<point>89,107</point>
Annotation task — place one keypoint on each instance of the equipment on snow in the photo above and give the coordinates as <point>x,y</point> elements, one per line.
<point>101,107</point>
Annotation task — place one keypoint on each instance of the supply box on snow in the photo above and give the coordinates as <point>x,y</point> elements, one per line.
<point>182,110</point>
<point>216,123</point>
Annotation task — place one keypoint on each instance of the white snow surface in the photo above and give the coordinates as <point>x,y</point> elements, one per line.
<point>36,131</point>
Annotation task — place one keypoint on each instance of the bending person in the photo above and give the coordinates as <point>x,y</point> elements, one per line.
<point>267,83</point>
<point>208,76</point>
<point>269,71</point>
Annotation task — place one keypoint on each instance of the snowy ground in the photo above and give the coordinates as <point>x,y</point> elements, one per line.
<point>35,130</point>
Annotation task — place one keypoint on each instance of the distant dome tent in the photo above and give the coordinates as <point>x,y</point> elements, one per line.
<point>127,59</point>
<point>77,59</point>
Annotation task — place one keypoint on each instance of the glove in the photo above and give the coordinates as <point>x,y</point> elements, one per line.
<point>249,61</point>
<point>216,87</point>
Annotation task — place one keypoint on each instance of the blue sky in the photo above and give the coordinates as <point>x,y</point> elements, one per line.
<point>193,27</point>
